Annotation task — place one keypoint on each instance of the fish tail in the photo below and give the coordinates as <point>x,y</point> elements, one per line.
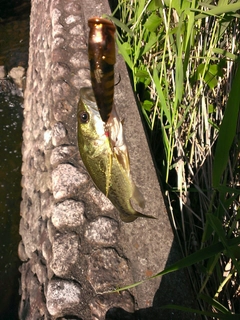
<point>141,215</point>
<point>132,217</point>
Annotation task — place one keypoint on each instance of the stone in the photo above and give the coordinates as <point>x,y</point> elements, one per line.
<point>18,76</point>
<point>2,72</point>
<point>65,252</point>
<point>102,231</point>
<point>66,181</point>
<point>62,296</point>
<point>68,215</point>
<point>106,269</point>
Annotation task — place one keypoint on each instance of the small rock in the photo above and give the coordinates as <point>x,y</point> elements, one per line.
<point>65,249</point>
<point>18,76</point>
<point>21,252</point>
<point>68,215</point>
<point>59,136</point>
<point>62,296</point>
<point>2,72</point>
<point>9,87</point>
<point>67,181</point>
<point>107,269</point>
<point>102,231</point>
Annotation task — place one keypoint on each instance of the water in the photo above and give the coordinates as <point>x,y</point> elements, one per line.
<point>10,195</point>
<point>14,35</point>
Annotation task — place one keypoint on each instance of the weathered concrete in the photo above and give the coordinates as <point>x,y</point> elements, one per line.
<point>74,247</point>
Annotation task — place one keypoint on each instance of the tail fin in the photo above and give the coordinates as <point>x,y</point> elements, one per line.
<point>131,217</point>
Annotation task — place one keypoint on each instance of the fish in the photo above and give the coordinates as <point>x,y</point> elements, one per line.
<point>105,156</point>
<point>102,57</point>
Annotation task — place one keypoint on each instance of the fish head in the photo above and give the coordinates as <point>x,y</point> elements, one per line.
<point>90,124</point>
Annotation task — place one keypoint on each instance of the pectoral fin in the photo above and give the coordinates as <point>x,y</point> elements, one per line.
<point>123,158</point>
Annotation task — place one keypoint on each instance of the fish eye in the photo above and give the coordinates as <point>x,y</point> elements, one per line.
<point>84,117</point>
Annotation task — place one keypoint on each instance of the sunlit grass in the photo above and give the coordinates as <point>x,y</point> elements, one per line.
<point>183,56</point>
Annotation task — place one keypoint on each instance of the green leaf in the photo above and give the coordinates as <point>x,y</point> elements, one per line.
<point>218,10</point>
<point>212,302</point>
<point>147,105</point>
<point>124,50</point>
<point>152,22</point>
<point>193,258</point>
<point>230,190</point>
<point>121,25</point>
<point>225,53</point>
<point>139,11</point>
<point>180,6</point>
<point>217,227</point>
<point>199,256</point>
<point>208,74</point>
<point>158,3</point>
<point>227,131</point>
<point>162,99</point>
<point>150,43</point>
<point>142,74</point>
<point>231,252</point>
<point>211,76</point>
<point>155,4</point>
<point>210,108</point>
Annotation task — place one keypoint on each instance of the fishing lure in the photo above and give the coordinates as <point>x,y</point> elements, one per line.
<point>101,54</point>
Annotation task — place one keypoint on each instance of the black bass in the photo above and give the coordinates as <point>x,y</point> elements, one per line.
<point>101,54</point>
<point>105,156</point>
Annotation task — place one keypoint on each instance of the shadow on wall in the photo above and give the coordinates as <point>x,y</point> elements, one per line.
<point>175,285</point>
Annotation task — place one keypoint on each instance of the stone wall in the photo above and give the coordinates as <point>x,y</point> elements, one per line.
<point>74,247</point>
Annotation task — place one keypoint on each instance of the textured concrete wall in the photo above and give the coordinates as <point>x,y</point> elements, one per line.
<point>74,247</point>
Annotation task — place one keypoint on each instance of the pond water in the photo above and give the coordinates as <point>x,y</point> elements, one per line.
<point>10,196</point>
<point>14,35</point>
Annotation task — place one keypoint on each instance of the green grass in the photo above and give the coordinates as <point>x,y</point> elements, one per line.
<point>183,56</point>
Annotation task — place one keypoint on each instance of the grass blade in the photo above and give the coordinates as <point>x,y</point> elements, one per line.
<point>227,131</point>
